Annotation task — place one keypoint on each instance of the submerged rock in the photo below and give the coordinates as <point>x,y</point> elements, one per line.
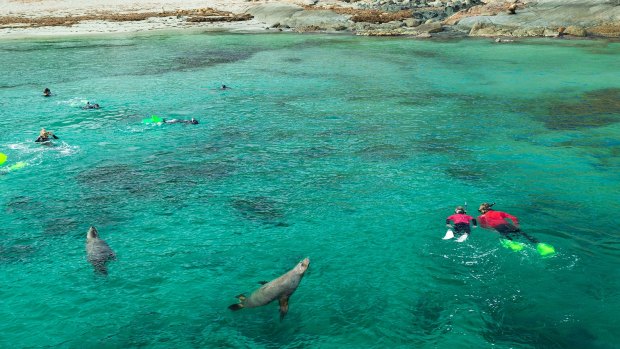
<point>596,108</point>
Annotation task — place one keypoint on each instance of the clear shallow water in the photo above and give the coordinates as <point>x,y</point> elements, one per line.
<point>351,151</point>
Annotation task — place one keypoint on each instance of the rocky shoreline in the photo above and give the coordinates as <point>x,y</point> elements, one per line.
<point>415,18</point>
<point>421,18</point>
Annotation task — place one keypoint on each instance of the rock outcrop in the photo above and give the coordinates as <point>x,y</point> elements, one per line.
<point>509,18</point>
<point>543,18</point>
<point>420,18</point>
<point>295,16</point>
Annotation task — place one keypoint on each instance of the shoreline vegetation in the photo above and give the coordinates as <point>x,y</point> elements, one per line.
<point>412,18</point>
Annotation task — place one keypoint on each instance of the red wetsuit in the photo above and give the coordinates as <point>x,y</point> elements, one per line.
<point>497,220</point>
<point>460,218</point>
<point>461,222</point>
<point>494,219</point>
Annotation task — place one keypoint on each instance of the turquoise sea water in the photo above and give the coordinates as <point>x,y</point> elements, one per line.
<point>350,151</point>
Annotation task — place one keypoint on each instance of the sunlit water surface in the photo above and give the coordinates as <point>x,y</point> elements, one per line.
<point>351,151</point>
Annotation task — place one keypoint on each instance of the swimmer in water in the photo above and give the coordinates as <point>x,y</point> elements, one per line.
<point>177,121</point>
<point>47,92</point>
<point>44,136</point>
<point>461,224</point>
<point>90,106</point>
<point>505,224</point>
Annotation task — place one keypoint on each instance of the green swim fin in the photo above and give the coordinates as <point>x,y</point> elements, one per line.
<point>17,166</point>
<point>513,245</point>
<point>545,250</point>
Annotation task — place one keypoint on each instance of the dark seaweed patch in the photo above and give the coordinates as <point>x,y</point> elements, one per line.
<point>190,175</point>
<point>466,173</point>
<point>593,109</point>
<point>504,328</point>
<point>427,316</point>
<point>210,58</point>
<point>317,152</point>
<point>62,46</point>
<point>61,225</point>
<point>442,146</point>
<point>258,208</point>
<point>16,253</point>
<point>382,152</point>
<point>112,177</point>
<point>13,86</point>
<point>21,204</point>
<point>425,54</point>
<point>107,187</point>
<point>188,61</point>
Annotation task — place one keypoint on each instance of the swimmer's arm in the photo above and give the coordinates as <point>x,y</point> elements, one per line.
<point>515,220</point>
<point>474,222</point>
<point>55,137</point>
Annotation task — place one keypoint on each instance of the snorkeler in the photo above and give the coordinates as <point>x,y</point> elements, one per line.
<point>498,220</point>
<point>44,136</point>
<point>177,121</point>
<point>90,106</point>
<point>47,92</point>
<point>461,224</point>
<point>224,87</point>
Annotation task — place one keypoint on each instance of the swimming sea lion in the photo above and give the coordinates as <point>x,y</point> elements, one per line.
<point>97,251</point>
<point>281,288</point>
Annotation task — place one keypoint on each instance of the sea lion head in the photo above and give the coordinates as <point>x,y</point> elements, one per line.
<point>303,266</point>
<point>92,233</point>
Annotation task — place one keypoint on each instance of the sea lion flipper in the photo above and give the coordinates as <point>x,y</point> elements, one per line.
<point>283,307</point>
<point>101,268</point>
<point>235,307</point>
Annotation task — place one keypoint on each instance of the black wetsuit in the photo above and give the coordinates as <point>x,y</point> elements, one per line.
<point>43,139</point>
<point>177,121</point>
<point>509,231</point>
<point>462,228</point>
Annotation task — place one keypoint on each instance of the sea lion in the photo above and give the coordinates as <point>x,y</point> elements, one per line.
<point>281,288</point>
<point>97,251</point>
<point>561,31</point>
<point>512,9</point>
